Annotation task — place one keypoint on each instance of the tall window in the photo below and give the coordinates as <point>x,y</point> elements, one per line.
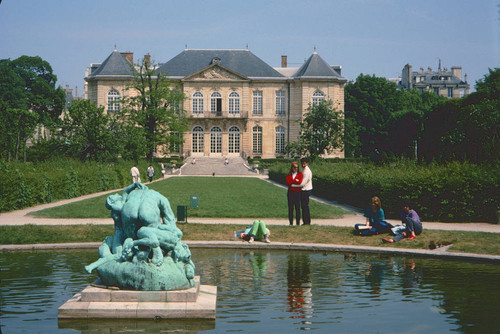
<point>234,103</point>
<point>175,142</point>
<point>215,140</point>
<point>450,91</point>
<point>280,102</point>
<point>234,140</point>
<point>257,139</point>
<point>257,102</point>
<point>198,138</point>
<point>216,103</point>
<point>197,103</point>
<point>280,139</point>
<point>113,100</point>
<point>436,90</point>
<point>318,97</point>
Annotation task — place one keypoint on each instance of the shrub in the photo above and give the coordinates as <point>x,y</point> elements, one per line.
<point>31,183</point>
<point>457,192</point>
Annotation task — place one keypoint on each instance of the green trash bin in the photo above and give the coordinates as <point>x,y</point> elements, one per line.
<point>182,214</point>
<point>194,201</point>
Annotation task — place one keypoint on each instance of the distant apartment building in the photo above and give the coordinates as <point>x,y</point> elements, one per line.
<point>236,103</point>
<point>442,82</point>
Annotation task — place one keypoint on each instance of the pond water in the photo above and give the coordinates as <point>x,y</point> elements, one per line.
<point>265,291</point>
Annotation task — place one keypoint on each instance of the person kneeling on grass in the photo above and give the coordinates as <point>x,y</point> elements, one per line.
<point>412,222</point>
<point>257,231</point>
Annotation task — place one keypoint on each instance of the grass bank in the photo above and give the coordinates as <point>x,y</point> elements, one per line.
<point>469,242</point>
<point>228,197</point>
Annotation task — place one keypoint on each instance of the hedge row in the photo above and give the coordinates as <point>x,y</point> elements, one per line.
<point>458,192</point>
<point>26,184</point>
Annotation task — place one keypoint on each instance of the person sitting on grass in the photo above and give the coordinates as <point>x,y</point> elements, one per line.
<point>257,231</point>
<point>412,222</point>
<point>375,219</point>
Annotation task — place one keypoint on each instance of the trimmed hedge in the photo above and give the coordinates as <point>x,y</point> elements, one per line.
<point>27,184</point>
<point>458,192</point>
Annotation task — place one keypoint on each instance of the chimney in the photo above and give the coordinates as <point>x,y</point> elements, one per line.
<point>456,71</point>
<point>283,61</point>
<point>465,77</point>
<point>147,60</point>
<point>129,56</point>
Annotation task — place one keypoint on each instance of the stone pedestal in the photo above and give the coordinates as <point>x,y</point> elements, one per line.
<point>99,302</point>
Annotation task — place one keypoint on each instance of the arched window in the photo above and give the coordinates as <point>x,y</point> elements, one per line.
<point>113,100</point>
<point>318,97</point>
<point>234,139</point>
<point>257,139</point>
<point>280,140</point>
<point>216,103</point>
<point>198,139</point>
<point>197,103</point>
<point>234,103</point>
<point>215,140</point>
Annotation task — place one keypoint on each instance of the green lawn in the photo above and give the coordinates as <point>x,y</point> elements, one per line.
<point>469,242</point>
<point>228,197</point>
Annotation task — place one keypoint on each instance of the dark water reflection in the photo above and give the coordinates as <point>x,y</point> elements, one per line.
<point>274,291</point>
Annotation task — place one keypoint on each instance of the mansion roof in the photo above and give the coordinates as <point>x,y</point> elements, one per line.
<point>242,62</point>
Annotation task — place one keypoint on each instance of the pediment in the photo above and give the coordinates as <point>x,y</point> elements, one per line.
<point>215,72</point>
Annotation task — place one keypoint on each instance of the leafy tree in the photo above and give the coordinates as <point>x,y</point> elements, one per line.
<point>467,128</point>
<point>28,97</point>
<point>90,133</point>
<point>481,119</point>
<point>155,107</point>
<point>369,106</point>
<point>17,126</point>
<point>321,130</point>
<point>41,95</point>
<point>407,123</point>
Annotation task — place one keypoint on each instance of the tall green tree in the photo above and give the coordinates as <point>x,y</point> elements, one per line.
<point>90,133</point>
<point>466,129</point>
<point>154,105</point>
<point>41,94</point>
<point>321,131</point>
<point>369,106</point>
<point>28,97</point>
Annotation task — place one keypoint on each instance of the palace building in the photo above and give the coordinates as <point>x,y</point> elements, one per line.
<point>237,104</point>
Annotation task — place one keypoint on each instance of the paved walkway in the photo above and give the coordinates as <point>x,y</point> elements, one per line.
<point>23,217</point>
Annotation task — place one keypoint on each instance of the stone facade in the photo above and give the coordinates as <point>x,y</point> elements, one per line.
<point>442,82</point>
<point>237,104</point>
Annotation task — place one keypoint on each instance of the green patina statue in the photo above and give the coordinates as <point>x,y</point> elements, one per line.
<point>145,252</point>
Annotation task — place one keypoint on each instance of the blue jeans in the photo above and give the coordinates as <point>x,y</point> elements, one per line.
<point>411,226</point>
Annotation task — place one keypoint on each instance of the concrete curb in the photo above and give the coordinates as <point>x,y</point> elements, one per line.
<point>438,253</point>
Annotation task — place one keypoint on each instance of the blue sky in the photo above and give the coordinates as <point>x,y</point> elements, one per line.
<point>363,36</point>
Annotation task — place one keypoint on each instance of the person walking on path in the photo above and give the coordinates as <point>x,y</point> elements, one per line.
<point>410,218</point>
<point>163,171</point>
<point>136,175</point>
<point>306,191</point>
<point>294,177</point>
<point>151,173</point>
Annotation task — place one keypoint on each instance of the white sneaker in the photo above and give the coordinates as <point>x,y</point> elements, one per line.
<point>267,240</point>
<point>251,240</point>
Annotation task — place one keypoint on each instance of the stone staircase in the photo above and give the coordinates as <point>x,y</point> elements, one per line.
<point>216,166</point>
